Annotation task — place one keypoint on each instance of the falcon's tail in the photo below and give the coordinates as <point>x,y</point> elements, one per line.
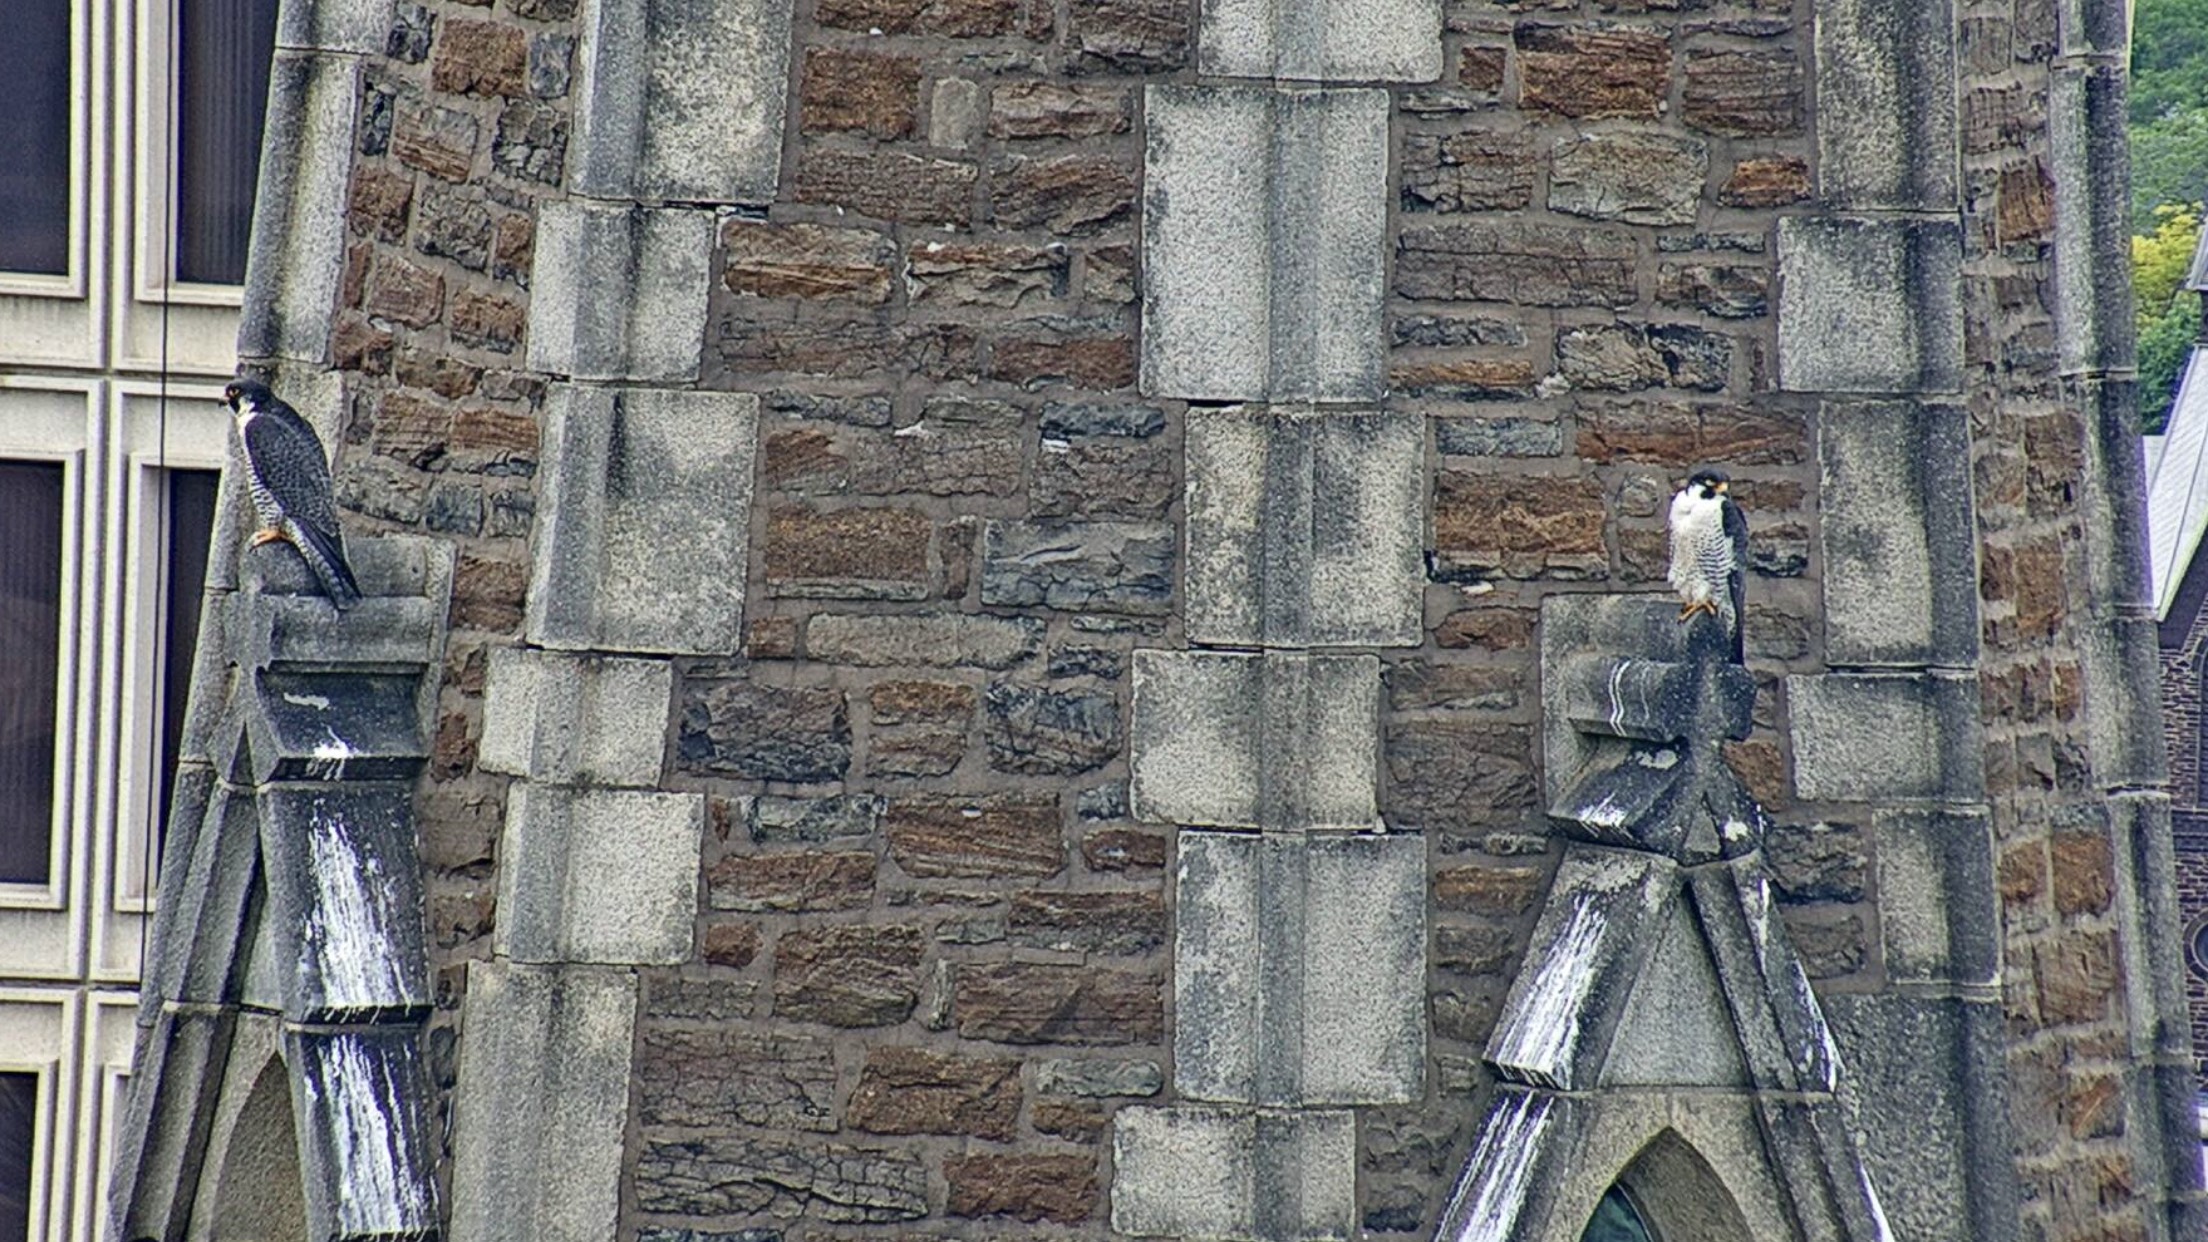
<point>326,557</point>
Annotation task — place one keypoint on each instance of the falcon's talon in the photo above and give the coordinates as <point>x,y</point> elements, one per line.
<point>266,535</point>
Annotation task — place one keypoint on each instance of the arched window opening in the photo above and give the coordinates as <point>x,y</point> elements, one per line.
<point>1617,1220</point>
<point>257,1191</point>
<point>1668,1191</point>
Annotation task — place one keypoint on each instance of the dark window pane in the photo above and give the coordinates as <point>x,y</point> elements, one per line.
<point>18,1128</point>
<point>30,634</point>
<point>1616,1220</point>
<point>191,521</point>
<point>223,52</point>
<point>34,140</point>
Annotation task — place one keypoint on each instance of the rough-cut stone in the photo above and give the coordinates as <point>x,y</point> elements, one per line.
<point>1079,566</point>
<point>1487,524</point>
<point>984,836</point>
<point>1039,1003</point>
<point>929,641</point>
<point>847,554</point>
<point>682,101</point>
<point>598,875</point>
<point>708,1078</point>
<point>767,260</point>
<point>480,58</point>
<point>755,731</point>
<point>1280,741</point>
<point>1116,923</point>
<point>1072,195</point>
<point>1043,109</point>
<point>778,820</point>
<point>912,1091</point>
<point>848,975</point>
<point>888,185</point>
<point>1102,476</point>
<point>1637,178</point>
<point>1305,529</point>
<point>1099,1078</point>
<point>1248,189</point>
<point>790,883</point>
<point>1044,732</point>
<point>620,291</point>
<point>955,19</point>
<point>566,719</point>
<point>974,274</point>
<point>1766,181</point>
<point>1529,264</point>
<point>1127,36</point>
<point>1742,94</point>
<point>731,1175</point>
<point>1453,771</point>
<point>1123,849</point>
<point>1593,71</point>
<point>851,89</point>
<point>1870,305</point>
<point>1060,1189</point>
<point>1325,41</point>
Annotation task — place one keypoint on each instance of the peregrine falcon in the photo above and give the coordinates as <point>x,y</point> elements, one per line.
<point>289,478</point>
<point>1709,552</point>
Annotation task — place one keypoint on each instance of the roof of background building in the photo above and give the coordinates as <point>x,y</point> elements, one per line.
<point>2177,485</point>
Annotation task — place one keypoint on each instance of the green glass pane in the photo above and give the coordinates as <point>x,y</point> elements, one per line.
<point>1615,1220</point>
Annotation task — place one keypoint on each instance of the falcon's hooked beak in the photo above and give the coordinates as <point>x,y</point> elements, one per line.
<point>230,397</point>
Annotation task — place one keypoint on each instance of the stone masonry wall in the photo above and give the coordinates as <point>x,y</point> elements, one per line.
<point>1016,370</point>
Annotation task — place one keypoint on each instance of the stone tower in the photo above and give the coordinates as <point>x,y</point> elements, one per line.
<point>1001,617</point>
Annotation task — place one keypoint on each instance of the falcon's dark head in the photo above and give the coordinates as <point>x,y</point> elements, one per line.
<point>246,394</point>
<point>1710,481</point>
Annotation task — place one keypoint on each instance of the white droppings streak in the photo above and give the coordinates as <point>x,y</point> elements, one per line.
<point>343,939</point>
<point>1818,1061</point>
<point>1606,814</point>
<point>917,429</point>
<point>1498,1174</point>
<point>318,702</point>
<point>1878,1210</point>
<point>327,762</point>
<point>381,1193</point>
<point>1542,1033</point>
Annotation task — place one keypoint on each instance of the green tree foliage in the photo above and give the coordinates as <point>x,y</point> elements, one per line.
<point>2168,313</point>
<point>2169,164</point>
<point>2169,58</point>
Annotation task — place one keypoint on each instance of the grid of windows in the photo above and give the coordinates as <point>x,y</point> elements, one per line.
<point>129,156</point>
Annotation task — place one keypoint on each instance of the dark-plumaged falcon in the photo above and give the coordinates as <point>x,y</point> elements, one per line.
<point>289,478</point>
<point>1709,553</point>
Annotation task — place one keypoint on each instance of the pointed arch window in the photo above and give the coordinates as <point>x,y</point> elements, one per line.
<point>1617,1220</point>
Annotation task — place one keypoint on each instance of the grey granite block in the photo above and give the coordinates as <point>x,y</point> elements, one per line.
<point>1196,1172</point>
<point>344,899</point>
<point>1899,538</point>
<point>1876,737</point>
<point>618,291</point>
<point>1305,528</point>
<point>644,540</point>
<point>575,720</point>
<point>608,876</point>
<point>681,100</point>
<point>541,1103</point>
<point>296,259</point>
<point>1886,127</point>
<point>1870,305</point>
<point>1321,40</point>
<point>1264,243</point>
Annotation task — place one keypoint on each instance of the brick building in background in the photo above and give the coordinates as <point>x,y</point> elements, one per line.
<point>958,597</point>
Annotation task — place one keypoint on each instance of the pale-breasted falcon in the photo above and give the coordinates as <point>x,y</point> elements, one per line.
<point>289,478</point>
<point>1709,552</point>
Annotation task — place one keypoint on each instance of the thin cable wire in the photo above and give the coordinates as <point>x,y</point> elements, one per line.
<point>156,808</point>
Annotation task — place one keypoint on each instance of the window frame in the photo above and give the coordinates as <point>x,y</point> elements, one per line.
<point>75,282</point>
<point>110,1031</point>
<point>154,186</point>
<point>38,1035</point>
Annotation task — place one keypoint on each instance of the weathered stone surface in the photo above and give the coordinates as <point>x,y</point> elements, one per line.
<point>887,185</point>
<point>1123,849</point>
<point>1079,566</point>
<point>530,143</point>
<point>1592,71</point>
<point>1485,524</point>
<point>297,266</point>
<point>1725,290</point>
<point>1870,305</point>
<point>775,820</point>
<point>1279,741</point>
<point>1073,195</point>
<point>1874,737</point>
<point>920,727</point>
<point>541,1101</point>
<point>1637,178</point>
<point>708,1078</point>
<point>1898,534</point>
<point>1038,1003</point>
<point>1498,437</point>
<point>1001,276</point>
<point>1060,1189</point>
<point>1191,1171</point>
<point>1045,732</point>
<point>1099,1078</point>
<point>1817,862</point>
<point>1455,772</point>
<point>1886,127</point>
<point>854,89</point>
<point>480,58</point>
<point>790,883</point>
<point>988,835</point>
<point>1305,529</point>
<point>1116,923</point>
<point>1529,264</point>
<point>1253,188</point>
<point>730,1175</point>
<point>749,729</point>
<point>598,875</point>
<point>956,19</point>
<point>1102,476</point>
<point>1766,181</point>
<point>575,719</point>
<point>682,102</point>
<point>912,1091</point>
<point>1128,36</point>
<point>1325,41</point>
<point>848,975</point>
<point>847,554</point>
<point>1742,94</point>
<point>937,641</point>
<point>678,998</point>
<point>768,260</point>
<point>597,268</point>
<point>1044,109</point>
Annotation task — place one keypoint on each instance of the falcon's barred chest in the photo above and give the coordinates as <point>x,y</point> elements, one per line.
<point>1701,550</point>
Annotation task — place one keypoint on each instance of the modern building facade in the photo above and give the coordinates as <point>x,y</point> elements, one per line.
<point>998,618</point>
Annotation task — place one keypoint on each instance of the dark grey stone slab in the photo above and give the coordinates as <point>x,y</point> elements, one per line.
<point>1079,566</point>
<point>195,952</point>
<point>343,726</point>
<point>345,899</point>
<point>1782,1030</point>
<point>367,1146</point>
<point>297,255</point>
<point>1898,536</point>
<point>162,1139</point>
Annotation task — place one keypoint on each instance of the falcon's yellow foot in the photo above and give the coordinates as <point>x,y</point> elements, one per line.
<point>266,535</point>
<point>1700,605</point>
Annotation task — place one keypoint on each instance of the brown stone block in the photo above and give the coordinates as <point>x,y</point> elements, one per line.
<point>1033,354</point>
<point>1057,110</point>
<point>452,750</point>
<point>358,345</point>
<point>848,975</point>
<point>1828,946</point>
<point>1124,849</point>
<point>858,349</point>
<point>1496,892</point>
<point>916,752</point>
<point>487,594</point>
<point>771,638</point>
<point>911,1091</point>
<point>1110,275</point>
<point>790,883</point>
<point>1479,949</point>
<point>2027,204</point>
<point>1488,628</point>
<point>1761,766</point>
<point>2093,1107</point>
<point>514,248</point>
<point>480,58</point>
<point>934,836</point>
<point>1742,94</point>
<point>845,89</point>
<point>1465,379</point>
<point>1109,923</point>
<point>731,944</point>
<point>1061,1189</point>
<point>1480,69</point>
<point>1766,181</point>
<point>2084,870</point>
<point>486,320</point>
<point>378,202</point>
<point>1518,524</point>
<point>1081,1121</point>
<point>977,274</point>
<point>944,454</point>
<point>1509,261</point>
<point>1128,36</point>
<point>411,427</point>
<point>760,259</point>
<point>1071,194</point>
<point>1478,170</point>
<point>847,553</point>
<point>957,19</point>
<point>440,373</point>
<point>1724,290</point>
<point>922,702</point>
<point>887,185</point>
<point>1455,771</point>
<point>408,292</point>
<point>1047,1003</point>
<point>439,141</point>
<point>1467,1014</point>
<point>2075,974</point>
<point>1592,71</point>
<point>484,438</point>
<point>696,1078</point>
